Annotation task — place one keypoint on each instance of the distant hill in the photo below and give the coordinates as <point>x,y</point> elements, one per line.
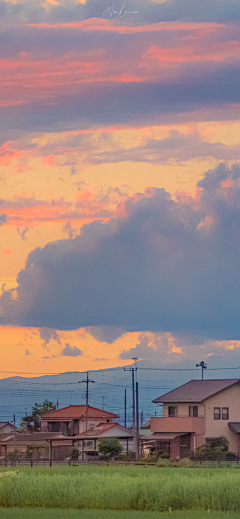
<point>106,389</point>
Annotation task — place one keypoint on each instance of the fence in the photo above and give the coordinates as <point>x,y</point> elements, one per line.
<point>218,463</point>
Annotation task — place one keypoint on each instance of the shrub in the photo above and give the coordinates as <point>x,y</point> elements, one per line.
<point>216,448</point>
<point>14,455</point>
<point>109,447</point>
<point>74,454</point>
<point>32,450</point>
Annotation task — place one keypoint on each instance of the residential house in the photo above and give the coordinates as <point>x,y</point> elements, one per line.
<point>87,442</point>
<point>57,446</point>
<point>7,427</point>
<point>75,419</point>
<point>20,442</point>
<point>194,413</point>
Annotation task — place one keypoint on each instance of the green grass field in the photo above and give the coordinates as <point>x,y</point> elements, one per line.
<point>119,492</point>
<point>44,513</point>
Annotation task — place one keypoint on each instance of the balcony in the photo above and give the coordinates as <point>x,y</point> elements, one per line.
<point>179,424</point>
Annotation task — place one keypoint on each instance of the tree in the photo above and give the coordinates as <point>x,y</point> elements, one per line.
<point>14,455</point>
<point>32,422</point>
<point>31,450</point>
<point>109,447</point>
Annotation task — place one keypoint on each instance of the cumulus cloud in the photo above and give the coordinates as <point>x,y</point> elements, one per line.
<point>161,265</point>
<point>71,351</point>
<point>151,346</point>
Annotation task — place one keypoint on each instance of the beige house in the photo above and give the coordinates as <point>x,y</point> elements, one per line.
<point>7,427</point>
<point>75,419</point>
<point>195,412</point>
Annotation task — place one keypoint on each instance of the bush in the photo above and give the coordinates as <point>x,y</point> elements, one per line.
<point>232,456</point>
<point>74,454</point>
<point>32,450</point>
<point>109,447</point>
<point>14,455</point>
<point>215,449</point>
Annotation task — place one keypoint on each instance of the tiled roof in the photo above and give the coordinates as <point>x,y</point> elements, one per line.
<point>77,411</point>
<point>32,437</point>
<point>196,390</point>
<point>234,426</point>
<point>100,429</point>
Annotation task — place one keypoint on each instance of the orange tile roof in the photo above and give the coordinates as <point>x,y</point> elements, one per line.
<point>78,411</point>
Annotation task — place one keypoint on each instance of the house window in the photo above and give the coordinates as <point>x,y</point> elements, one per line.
<point>225,413</point>
<point>216,413</point>
<point>172,410</point>
<point>193,411</point>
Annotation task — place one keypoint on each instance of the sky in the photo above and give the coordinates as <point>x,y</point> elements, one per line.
<point>120,184</point>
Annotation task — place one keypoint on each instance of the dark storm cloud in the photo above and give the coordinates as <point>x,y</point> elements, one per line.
<point>128,103</point>
<point>163,265</point>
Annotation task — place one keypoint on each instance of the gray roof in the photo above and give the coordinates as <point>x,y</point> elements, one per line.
<point>196,390</point>
<point>33,437</point>
<point>234,426</point>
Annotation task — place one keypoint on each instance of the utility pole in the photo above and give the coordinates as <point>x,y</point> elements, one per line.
<point>137,418</point>
<point>133,408</point>
<point>14,431</point>
<point>202,365</point>
<point>57,404</point>
<point>87,382</point>
<point>125,409</point>
<point>103,397</point>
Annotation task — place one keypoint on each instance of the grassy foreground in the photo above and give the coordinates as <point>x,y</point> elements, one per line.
<point>44,513</point>
<point>125,489</point>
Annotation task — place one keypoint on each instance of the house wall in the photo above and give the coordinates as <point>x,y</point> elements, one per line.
<point>183,408</point>
<point>214,428</point>
<point>92,422</point>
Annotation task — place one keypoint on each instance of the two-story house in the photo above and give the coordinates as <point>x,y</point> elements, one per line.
<point>195,412</point>
<point>75,419</point>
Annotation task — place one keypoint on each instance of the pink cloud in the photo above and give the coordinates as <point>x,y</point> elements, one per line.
<point>6,250</point>
<point>49,160</point>
<point>7,154</point>
<point>97,24</point>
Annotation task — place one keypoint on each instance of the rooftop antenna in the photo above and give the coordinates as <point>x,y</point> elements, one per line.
<point>201,365</point>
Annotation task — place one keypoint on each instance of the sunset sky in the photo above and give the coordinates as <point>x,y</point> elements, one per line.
<point>120,183</point>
